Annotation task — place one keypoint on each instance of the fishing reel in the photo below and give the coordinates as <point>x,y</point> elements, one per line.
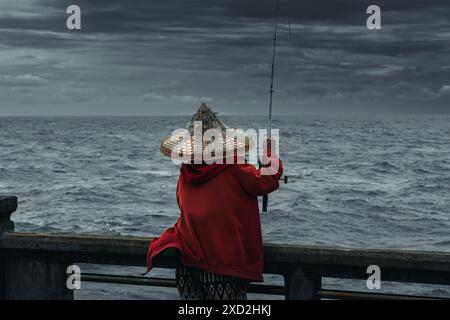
<point>265,202</point>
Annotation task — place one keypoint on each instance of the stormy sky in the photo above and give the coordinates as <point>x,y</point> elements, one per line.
<point>154,57</point>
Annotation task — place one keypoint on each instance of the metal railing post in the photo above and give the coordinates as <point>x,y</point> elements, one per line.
<point>301,285</point>
<point>7,206</point>
<point>29,275</point>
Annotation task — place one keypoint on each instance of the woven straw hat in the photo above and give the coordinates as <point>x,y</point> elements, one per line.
<point>182,143</point>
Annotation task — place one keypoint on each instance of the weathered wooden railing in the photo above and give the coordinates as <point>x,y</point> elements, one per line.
<point>34,265</point>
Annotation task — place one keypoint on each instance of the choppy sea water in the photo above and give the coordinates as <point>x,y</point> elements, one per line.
<point>379,183</point>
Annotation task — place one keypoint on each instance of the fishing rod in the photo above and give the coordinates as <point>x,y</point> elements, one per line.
<point>269,118</point>
<point>272,75</point>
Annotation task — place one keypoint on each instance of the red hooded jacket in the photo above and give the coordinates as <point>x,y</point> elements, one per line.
<point>219,228</point>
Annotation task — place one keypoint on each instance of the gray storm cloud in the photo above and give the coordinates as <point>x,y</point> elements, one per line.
<point>165,57</point>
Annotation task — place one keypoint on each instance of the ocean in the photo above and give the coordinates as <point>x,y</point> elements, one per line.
<point>354,182</point>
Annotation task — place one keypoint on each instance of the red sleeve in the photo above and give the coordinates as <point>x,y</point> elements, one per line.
<point>178,192</point>
<point>256,183</point>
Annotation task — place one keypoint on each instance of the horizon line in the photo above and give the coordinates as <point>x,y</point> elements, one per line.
<point>223,114</point>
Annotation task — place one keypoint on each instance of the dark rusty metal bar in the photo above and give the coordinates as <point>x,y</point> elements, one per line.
<point>129,280</point>
<point>253,288</point>
<point>354,295</point>
<point>167,283</point>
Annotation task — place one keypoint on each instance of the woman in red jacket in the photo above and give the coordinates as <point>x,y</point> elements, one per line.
<point>218,233</point>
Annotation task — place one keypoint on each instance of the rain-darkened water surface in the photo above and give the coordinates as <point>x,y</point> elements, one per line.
<point>381,183</point>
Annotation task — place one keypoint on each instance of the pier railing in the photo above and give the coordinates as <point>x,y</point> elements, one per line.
<point>34,265</point>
